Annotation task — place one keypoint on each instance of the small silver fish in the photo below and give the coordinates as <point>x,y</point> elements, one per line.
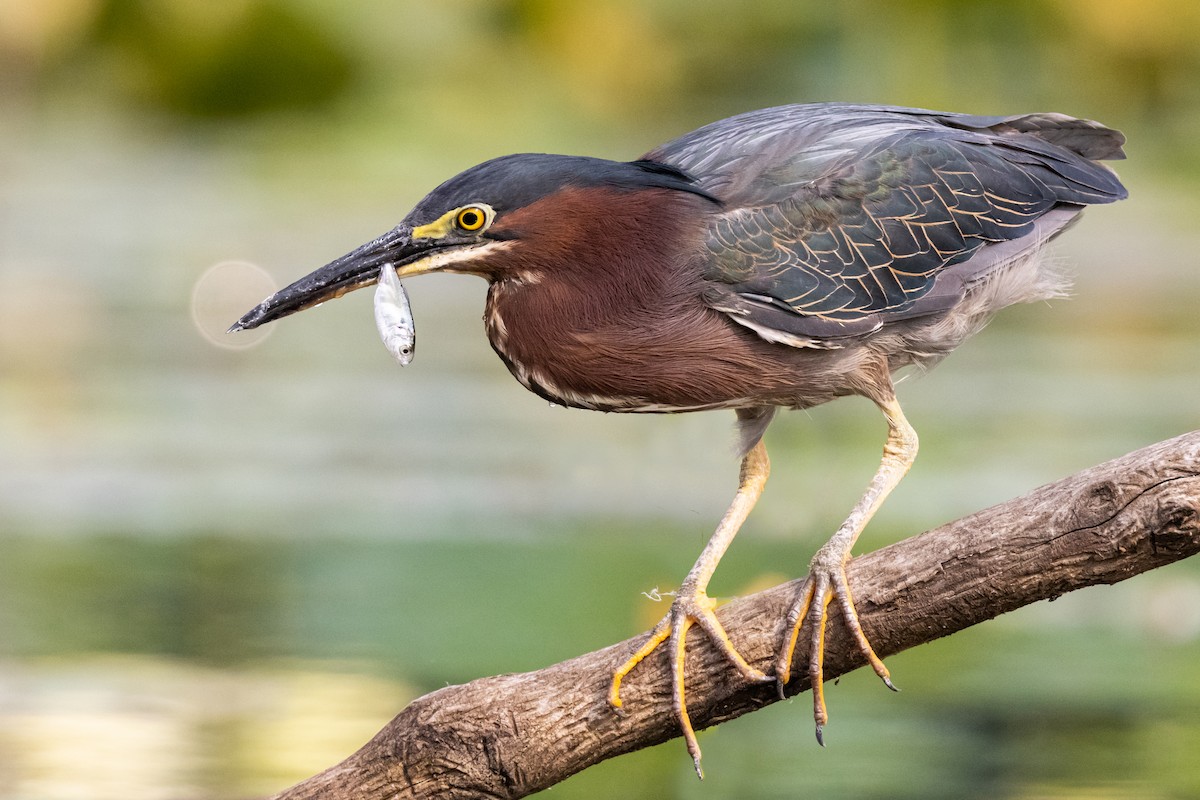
<point>393,316</point>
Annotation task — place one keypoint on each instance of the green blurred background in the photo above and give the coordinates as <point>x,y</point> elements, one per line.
<point>222,569</point>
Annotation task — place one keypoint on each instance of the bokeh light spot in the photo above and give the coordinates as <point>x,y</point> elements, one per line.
<point>222,294</point>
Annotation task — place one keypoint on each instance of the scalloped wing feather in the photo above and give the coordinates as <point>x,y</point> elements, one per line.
<point>840,219</point>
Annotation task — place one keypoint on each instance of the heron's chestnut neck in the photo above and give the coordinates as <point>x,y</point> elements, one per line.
<point>584,238</point>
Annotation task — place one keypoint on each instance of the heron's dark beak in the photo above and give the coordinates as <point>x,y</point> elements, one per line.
<point>352,271</point>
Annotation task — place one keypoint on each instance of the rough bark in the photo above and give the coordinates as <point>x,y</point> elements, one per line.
<point>511,735</point>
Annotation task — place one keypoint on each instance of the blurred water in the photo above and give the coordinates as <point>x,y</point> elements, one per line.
<point>221,571</point>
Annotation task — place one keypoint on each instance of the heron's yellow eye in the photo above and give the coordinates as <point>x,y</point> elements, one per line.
<point>471,218</point>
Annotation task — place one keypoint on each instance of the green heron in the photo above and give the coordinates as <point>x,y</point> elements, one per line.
<point>776,259</point>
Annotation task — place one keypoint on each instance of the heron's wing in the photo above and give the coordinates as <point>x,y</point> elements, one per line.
<point>839,219</point>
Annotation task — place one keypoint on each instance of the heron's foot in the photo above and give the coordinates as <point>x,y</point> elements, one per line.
<point>826,581</point>
<point>692,606</point>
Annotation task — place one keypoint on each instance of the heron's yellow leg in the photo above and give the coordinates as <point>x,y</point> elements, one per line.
<point>693,606</point>
<point>827,572</point>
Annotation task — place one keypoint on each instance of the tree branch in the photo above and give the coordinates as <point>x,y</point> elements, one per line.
<point>511,735</point>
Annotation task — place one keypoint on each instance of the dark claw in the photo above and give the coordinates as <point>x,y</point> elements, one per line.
<point>888,683</point>
<point>821,735</point>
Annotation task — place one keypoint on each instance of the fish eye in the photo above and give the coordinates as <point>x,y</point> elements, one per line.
<point>472,218</point>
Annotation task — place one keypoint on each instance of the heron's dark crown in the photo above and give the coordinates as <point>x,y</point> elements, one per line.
<point>515,181</point>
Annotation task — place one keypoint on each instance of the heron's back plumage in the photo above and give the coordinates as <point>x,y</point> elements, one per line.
<point>839,219</point>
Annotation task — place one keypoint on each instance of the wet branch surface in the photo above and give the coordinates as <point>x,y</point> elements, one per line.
<point>511,735</point>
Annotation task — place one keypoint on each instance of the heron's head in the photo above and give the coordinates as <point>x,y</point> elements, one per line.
<point>510,216</point>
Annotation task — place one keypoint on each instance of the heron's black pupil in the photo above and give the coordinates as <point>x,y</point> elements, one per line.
<point>470,219</point>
